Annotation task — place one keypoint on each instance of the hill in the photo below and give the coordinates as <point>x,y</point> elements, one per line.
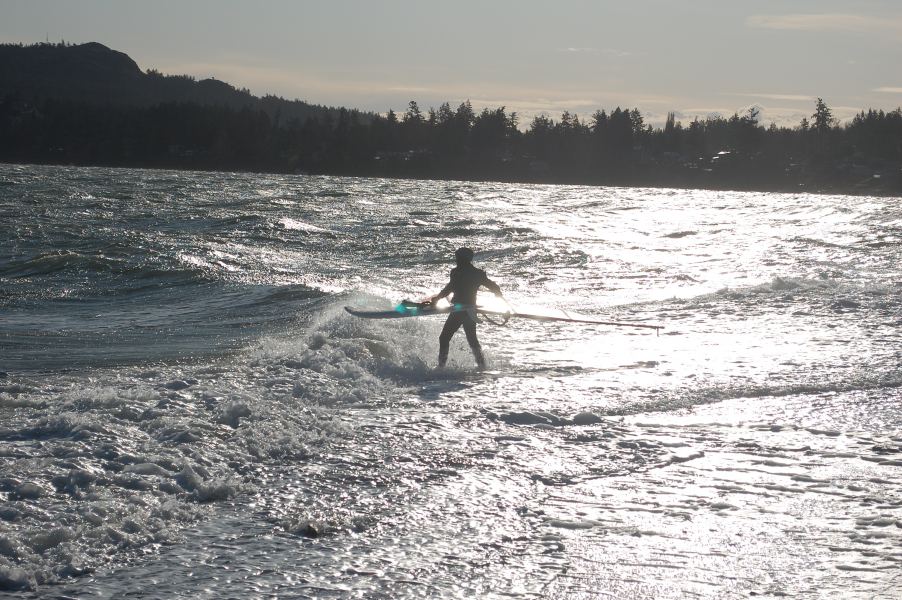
<point>96,75</point>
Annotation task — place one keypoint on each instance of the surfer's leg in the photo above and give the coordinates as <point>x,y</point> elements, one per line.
<point>470,329</point>
<point>444,340</point>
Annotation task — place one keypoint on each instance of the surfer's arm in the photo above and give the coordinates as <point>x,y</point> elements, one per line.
<point>445,291</point>
<point>492,287</point>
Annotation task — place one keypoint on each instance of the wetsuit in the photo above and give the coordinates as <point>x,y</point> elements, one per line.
<point>465,281</point>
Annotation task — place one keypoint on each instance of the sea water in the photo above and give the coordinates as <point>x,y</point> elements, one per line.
<point>186,411</point>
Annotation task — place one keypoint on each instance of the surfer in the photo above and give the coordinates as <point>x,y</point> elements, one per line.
<point>465,281</point>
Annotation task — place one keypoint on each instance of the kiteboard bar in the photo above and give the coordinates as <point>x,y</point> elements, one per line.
<point>589,321</point>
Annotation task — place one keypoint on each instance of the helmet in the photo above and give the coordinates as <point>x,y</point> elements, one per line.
<point>464,255</point>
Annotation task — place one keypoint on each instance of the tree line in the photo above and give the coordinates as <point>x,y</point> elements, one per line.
<point>612,147</point>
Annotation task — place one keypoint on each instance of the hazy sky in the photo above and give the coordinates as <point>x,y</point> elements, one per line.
<point>689,56</point>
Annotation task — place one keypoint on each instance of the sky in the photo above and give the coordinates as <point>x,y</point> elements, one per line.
<point>692,57</point>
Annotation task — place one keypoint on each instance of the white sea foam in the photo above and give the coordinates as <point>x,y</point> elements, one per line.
<point>296,225</point>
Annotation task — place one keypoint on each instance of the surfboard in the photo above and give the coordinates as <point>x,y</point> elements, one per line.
<point>406,309</point>
<point>411,309</point>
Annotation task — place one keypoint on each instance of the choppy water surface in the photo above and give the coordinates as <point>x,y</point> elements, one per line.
<point>187,411</point>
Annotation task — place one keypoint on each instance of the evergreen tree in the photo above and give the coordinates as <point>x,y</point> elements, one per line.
<point>413,114</point>
<point>822,117</point>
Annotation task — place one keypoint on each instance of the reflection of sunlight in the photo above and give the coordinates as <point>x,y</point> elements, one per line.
<point>492,302</point>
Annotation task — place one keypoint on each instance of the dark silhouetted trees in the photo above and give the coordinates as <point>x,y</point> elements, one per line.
<point>613,147</point>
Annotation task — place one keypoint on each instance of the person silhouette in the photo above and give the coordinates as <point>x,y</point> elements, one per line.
<point>465,281</point>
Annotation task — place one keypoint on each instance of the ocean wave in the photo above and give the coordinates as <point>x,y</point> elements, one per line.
<point>240,221</point>
<point>444,232</point>
<point>115,261</point>
<point>359,361</point>
<point>822,243</point>
<point>53,262</point>
<point>147,323</point>
<point>290,224</point>
<point>864,382</point>
<point>779,286</point>
<point>684,399</point>
<point>333,194</point>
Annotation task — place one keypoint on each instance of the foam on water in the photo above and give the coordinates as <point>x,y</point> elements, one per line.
<point>123,459</point>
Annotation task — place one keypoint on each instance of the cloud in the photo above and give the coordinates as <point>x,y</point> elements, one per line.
<point>783,116</point>
<point>889,90</point>
<point>603,51</point>
<point>410,89</point>
<point>378,91</point>
<point>826,22</point>
<point>261,80</point>
<point>580,50</point>
<point>296,83</point>
<point>791,97</point>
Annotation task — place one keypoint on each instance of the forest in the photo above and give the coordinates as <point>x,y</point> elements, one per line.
<point>613,147</point>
